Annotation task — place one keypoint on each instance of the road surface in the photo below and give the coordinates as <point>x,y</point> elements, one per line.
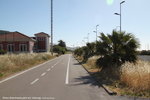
<point>62,78</point>
<point>144,57</point>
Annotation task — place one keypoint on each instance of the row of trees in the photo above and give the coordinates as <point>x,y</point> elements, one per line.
<point>144,52</point>
<point>113,49</point>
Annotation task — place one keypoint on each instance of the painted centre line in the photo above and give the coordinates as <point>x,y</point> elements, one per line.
<point>48,69</point>
<point>52,67</point>
<point>34,81</point>
<point>43,74</point>
<point>55,64</point>
<point>67,74</point>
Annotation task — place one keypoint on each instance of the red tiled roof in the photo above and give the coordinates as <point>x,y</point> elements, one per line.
<point>42,33</point>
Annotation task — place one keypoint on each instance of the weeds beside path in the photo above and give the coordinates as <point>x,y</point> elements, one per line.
<point>13,63</point>
<point>131,79</point>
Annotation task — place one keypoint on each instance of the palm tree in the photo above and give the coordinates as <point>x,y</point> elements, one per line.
<point>117,48</point>
<point>78,52</point>
<point>86,51</point>
<point>91,48</point>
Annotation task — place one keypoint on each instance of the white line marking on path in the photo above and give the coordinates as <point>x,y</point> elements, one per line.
<point>26,71</point>
<point>67,74</point>
<point>43,74</point>
<point>48,69</point>
<point>34,81</point>
<point>52,67</point>
<point>56,63</point>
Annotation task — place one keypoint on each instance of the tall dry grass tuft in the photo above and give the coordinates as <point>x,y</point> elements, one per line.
<point>11,63</point>
<point>92,62</point>
<point>136,76</point>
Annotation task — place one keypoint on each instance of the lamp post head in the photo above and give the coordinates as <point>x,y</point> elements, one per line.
<point>94,31</point>
<point>122,2</point>
<point>116,13</point>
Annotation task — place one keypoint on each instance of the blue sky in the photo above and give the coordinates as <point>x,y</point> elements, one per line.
<point>74,19</point>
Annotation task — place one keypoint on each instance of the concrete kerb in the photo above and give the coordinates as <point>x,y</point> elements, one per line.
<point>102,85</point>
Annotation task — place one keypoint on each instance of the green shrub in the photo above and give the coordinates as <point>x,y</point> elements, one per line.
<point>59,49</point>
<point>2,51</point>
<point>145,52</point>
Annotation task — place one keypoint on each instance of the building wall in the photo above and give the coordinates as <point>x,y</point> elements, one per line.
<point>31,46</point>
<point>41,47</point>
<point>42,43</point>
<point>16,45</point>
<point>18,40</point>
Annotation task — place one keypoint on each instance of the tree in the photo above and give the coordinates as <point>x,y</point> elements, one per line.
<point>116,49</point>
<point>86,51</point>
<point>62,43</point>
<point>58,49</point>
<point>91,48</point>
<point>145,52</point>
<point>78,52</point>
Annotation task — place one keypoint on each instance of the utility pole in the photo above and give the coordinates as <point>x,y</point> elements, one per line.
<point>52,27</point>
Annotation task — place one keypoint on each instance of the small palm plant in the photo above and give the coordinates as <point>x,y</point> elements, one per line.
<point>116,48</point>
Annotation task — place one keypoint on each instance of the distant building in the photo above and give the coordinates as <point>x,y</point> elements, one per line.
<point>42,42</point>
<point>16,42</point>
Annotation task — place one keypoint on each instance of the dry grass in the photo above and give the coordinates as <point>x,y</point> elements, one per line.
<point>92,62</point>
<point>136,76</point>
<point>130,79</point>
<point>12,63</point>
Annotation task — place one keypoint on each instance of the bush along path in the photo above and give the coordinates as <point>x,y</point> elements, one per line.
<point>116,64</point>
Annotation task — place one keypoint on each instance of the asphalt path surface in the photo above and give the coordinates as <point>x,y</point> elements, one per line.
<point>62,78</point>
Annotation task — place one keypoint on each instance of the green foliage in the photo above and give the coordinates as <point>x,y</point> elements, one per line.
<point>2,51</point>
<point>145,52</point>
<point>1,74</point>
<point>62,43</point>
<point>116,48</point>
<point>86,51</point>
<point>58,49</point>
<point>78,52</point>
<point>91,48</point>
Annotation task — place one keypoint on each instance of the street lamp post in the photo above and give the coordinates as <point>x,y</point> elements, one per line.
<point>120,14</point>
<point>96,32</point>
<point>117,27</point>
<point>88,37</point>
<point>83,42</point>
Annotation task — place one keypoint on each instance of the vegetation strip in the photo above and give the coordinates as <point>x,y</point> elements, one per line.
<point>113,61</point>
<point>14,63</point>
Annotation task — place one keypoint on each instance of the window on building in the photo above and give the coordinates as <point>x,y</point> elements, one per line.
<point>41,38</point>
<point>1,46</point>
<point>23,47</point>
<point>10,47</point>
